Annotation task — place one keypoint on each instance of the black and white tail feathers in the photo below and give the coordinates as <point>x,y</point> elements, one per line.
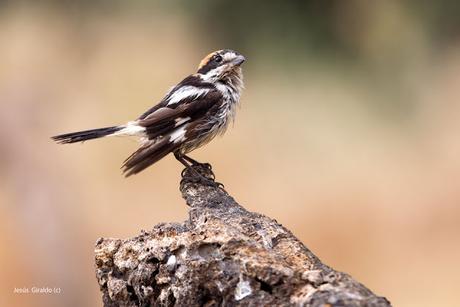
<point>85,135</point>
<point>146,155</point>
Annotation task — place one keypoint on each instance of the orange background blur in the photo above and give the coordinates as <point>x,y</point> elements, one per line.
<point>348,134</point>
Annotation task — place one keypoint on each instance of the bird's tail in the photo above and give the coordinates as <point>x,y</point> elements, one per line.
<point>85,135</point>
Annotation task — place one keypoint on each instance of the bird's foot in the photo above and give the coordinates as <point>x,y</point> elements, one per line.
<point>204,165</point>
<point>203,169</point>
<point>200,173</point>
<point>195,163</point>
<point>201,180</point>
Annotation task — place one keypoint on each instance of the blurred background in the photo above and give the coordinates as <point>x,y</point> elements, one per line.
<point>348,134</point>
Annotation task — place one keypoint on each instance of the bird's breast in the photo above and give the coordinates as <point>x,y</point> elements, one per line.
<point>216,121</point>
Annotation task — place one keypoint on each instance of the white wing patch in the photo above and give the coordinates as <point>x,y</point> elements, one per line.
<point>180,120</point>
<point>178,135</point>
<point>131,128</point>
<point>186,91</point>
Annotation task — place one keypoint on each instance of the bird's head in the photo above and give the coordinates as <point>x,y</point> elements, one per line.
<point>220,65</point>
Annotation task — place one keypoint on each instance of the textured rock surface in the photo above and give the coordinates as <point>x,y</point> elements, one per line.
<point>222,256</point>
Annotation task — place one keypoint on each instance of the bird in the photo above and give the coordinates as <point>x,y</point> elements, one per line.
<point>190,115</point>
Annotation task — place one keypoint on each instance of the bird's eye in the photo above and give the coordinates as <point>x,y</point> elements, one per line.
<point>218,58</point>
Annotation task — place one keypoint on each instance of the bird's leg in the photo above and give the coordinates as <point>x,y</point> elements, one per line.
<point>195,162</point>
<point>187,166</point>
<point>197,176</point>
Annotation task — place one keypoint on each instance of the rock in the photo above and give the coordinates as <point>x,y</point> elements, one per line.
<point>223,255</point>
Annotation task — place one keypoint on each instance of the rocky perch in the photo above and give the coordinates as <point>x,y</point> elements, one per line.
<point>222,255</point>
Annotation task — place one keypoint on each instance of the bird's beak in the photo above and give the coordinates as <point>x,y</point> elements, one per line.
<point>238,60</point>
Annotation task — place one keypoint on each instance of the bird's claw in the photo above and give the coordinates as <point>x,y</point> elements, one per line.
<point>203,165</point>
<point>193,175</point>
<point>219,185</point>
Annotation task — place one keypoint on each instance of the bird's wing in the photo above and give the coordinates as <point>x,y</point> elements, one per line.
<point>190,88</point>
<point>147,155</point>
<point>170,121</point>
<point>176,113</point>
